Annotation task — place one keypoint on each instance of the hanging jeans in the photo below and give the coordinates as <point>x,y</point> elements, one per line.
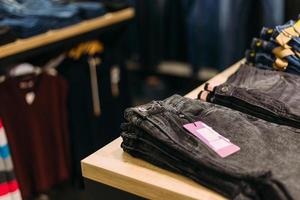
<point>235,29</point>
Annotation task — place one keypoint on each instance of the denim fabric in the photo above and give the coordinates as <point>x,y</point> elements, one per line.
<point>273,11</point>
<point>6,35</point>
<point>31,17</point>
<point>88,10</point>
<point>30,26</point>
<point>141,145</point>
<point>264,60</point>
<point>235,28</point>
<point>42,8</point>
<point>269,46</point>
<point>295,41</point>
<point>24,27</point>
<point>266,167</point>
<point>263,45</point>
<point>266,33</point>
<point>280,28</point>
<point>202,34</point>
<point>266,94</point>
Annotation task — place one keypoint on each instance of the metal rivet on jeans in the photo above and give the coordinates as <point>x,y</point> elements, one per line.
<point>142,109</point>
<point>181,115</point>
<point>225,89</point>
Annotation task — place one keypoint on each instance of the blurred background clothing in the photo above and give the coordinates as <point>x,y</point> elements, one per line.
<point>170,46</point>
<point>203,33</point>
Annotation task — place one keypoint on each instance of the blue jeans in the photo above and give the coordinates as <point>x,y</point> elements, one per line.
<point>41,8</point>
<point>29,26</point>
<point>294,42</point>
<point>264,60</point>
<point>267,47</point>
<point>88,10</point>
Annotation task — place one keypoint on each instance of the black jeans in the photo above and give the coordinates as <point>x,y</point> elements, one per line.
<point>270,95</point>
<point>266,167</point>
<point>142,145</point>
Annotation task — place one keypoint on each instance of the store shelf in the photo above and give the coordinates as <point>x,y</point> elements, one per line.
<point>52,36</point>
<point>111,166</point>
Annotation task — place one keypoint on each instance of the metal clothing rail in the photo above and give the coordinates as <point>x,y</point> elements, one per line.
<point>54,36</point>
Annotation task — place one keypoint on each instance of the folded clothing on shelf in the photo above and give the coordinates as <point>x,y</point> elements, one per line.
<point>277,48</point>
<point>88,10</point>
<point>30,17</point>
<point>31,26</point>
<point>265,167</point>
<point>269,61</point>
<point>266,94</point>
<point>52,9</point>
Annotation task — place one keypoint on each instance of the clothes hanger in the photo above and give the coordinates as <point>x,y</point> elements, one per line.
<point>51,65</point>
<point>24,69</point>
<point>86,48</point>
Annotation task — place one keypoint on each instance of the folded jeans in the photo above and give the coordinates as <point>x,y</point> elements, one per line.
<point>267,162</point>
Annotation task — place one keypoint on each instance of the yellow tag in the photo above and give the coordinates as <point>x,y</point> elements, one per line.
<point>297,26</point>
<point>280,64</point>
<point>89,48</point>
<point>282,39</point>
<point>291,32</point>
<point>282,52</point>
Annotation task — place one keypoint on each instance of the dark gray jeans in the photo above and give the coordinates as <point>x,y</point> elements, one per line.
<point>266,167</point>
<point>270,95</point>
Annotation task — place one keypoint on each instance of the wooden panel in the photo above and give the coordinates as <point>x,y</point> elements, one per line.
<point>51,36</point>
<point>111,166</point>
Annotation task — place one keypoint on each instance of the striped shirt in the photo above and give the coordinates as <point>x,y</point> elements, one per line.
<point>9,188</point>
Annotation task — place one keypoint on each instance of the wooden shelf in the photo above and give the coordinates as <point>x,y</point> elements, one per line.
<point>52,36</point>
<point>111,166</point>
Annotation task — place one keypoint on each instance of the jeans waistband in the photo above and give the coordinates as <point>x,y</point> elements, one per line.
<point>176,104</point>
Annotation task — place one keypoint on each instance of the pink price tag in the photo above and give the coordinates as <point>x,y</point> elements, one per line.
<point>221,145</point>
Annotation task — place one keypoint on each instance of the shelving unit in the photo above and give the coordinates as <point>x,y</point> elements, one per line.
<point>29,46</point>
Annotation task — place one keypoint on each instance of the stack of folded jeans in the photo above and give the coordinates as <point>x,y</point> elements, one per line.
<point>255,115</point>
<point>30,17</point>
<point>270,95</point>
<point>277,49</point>
<point>267,166</point>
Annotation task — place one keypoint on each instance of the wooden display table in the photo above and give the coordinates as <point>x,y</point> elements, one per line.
<point>111,166</point>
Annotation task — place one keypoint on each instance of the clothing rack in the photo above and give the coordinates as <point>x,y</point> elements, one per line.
<point>63,38</point>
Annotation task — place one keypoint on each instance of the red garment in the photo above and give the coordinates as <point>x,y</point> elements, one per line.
<point>37,133</point>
